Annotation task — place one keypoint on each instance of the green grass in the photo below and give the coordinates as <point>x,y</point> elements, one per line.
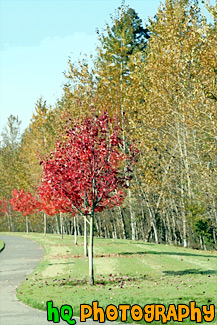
<point>1,245</point>
<point>126,272</point>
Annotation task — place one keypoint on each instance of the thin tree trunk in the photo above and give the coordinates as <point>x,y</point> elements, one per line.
<point>122,222</point>
<point>147,233</point>
<point>97,227</point>
<point>61,225</point>
<point>177,224</point>
<point>201,243</point>
<point>213,228</point>
<point>85,238</point>
<point>75,231</point>
<point>164,232</point>
<point>10,219</point>
<point>100,226</point>
<point>143,222</point>
<point>186,162</point>
<point>204,245</point>
<point>132,216</point>
<point>215,210</point>
<point>9,223</point>
<point>169,228</point>
<point>174,228</point>
<point>184,222</point>
<point>151,211</point>
<point>115,231</point>
<point>45,224</point>
<point>108,232</point>
<point>153,223</point>
<point>65,226</point>
<point>91,274</point>
<point>57,225</point>
<point>30,226</point>
<point>214,235</point>
<point>105,230</point>
<point>78,227</point>
<point>27,225</point>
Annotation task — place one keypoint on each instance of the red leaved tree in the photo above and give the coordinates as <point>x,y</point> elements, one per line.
<point>87,169</point>
<point>24,203</point>
<point>51,204</point>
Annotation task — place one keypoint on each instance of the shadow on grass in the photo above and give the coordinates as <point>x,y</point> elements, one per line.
<point>191,271</point>
<point>166,253</point>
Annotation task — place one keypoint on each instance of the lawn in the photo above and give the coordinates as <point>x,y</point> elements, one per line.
<point>1,245</point>
<point>126,272</point>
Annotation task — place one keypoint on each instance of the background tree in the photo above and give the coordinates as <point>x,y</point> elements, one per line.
<point>9,149</point>
<point>25,203</point>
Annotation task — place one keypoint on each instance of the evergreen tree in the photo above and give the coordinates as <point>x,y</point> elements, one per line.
<point>124,38</point>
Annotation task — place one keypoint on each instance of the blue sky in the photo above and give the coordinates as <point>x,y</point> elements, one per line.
<point>36,39</point>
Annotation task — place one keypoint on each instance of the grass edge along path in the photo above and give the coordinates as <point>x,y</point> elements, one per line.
<point>2,245</point>
<point>126,272</point>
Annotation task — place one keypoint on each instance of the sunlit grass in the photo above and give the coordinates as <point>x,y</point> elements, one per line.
<point>126,272</point>
<point>1,245</point>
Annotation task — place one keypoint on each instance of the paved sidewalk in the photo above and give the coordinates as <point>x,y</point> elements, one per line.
<point>17,261</point>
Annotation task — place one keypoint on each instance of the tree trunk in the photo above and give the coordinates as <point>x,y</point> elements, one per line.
<point>78,228</point>
<point>213,228</point>
<point>57,225</point>
<point>122,222</point>
<point>151,214</point>
<point>75,231</point>
<point>10,220</point>
<point>30,226</point>
<point>91,275</point>
<point>169,228</point>
<point>204,245</point>
<point>97,227</point>
<point>105,230</point>
<point>184,222</point>
<point>108,232</point>
<point>153,222</point>
<point>61,225</point>
<point>115,231</point>
<point>132,216</point>
<point>27,225</point>
<point>9,223</point>
<point>201,243</point>
<point>143,222</point>
<point>85,238</point>
<point>174,228</point>
<point>45,224</point>
<point>100,226</point>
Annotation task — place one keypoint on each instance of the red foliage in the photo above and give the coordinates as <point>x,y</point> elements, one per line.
<point>24,202</point>
<point>51,204</point>
<point>85,169</point>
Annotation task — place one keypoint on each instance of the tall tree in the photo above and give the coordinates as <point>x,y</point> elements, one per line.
<point>85,171</point>
<point>118,43</point>
<point>174,101</point>
<point>38,140</point>
<point>9,148</point>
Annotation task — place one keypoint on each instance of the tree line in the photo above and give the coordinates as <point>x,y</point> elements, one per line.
<point>160,81</point>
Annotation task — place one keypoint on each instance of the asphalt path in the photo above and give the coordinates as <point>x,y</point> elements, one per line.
<point>17,261</point>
